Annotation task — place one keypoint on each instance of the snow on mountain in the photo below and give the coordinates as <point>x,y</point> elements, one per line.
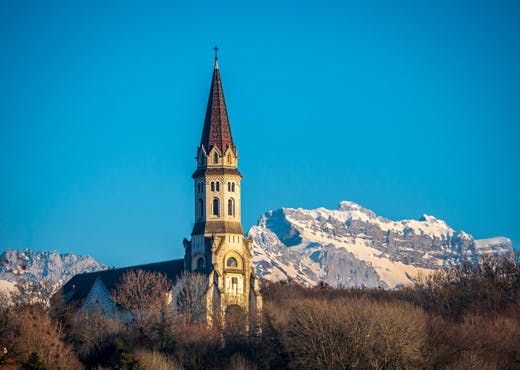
<point>22,266</point>
<point>494,246</point>
<point>6,286</point>
<point>352,246</point>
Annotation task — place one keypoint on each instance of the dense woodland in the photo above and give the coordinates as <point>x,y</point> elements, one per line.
<point>463,318</point>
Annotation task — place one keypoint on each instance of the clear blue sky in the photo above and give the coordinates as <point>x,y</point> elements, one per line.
<point>404,107</point>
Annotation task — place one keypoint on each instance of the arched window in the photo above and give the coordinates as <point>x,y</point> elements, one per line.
<point>233,187</point>
<point>212,186</point>
<point>228,186</point>
<point>201,264</point>
<point>218,186</point>
<point>215,207</point>
<point>231,262</point>
<point>229,158</point>
<point>201,208</point>
<point>215,158</point>
<point>231,207</point>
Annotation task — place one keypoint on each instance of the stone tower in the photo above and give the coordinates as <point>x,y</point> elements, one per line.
<point>218,247</point>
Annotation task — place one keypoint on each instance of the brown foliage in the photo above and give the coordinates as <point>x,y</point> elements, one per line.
<point>236,322</point>
<point>487,342</point>
<point>239,362</point>
<point>466,318</point>
<point>145,296</point>
<point>471,321</point>
<point>196,346</point>
<point>92,335</point>
<point>189,296</point>
<point>356,333</point>
<point>487,286</point>
<point>495,339</point>
<point>29,332</point>
<point>155,360</point>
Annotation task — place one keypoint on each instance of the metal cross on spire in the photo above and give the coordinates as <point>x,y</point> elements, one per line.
<point>216,52</point>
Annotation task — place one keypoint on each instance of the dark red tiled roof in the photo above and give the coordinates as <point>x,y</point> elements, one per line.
<point>217,131</point>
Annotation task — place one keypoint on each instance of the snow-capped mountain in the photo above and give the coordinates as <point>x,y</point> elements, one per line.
<point>52,267</point>
<point>352,246</point>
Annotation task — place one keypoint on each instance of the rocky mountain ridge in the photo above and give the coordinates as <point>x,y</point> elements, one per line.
<point>18,266</point>
<point>352,246</point>
<point>349,246</point>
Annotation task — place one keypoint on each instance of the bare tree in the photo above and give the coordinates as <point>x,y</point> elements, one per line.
<point>354,333</point>
<point>31,335</point>
<point>92,334</point>
<point>189,298</point>
<point>144,295</point>
<point>155,360</point>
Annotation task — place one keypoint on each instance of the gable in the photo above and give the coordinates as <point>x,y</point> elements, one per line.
<point>78,288</point>
<point>99,298</point>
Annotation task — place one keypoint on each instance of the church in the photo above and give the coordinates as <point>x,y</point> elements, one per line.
<point>217,249</point>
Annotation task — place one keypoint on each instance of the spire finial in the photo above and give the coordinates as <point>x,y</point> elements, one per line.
<point>216,56</point>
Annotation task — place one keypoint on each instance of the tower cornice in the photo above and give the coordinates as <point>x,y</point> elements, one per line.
<point>215,171</point>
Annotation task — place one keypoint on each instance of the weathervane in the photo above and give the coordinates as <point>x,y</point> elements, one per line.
<point>216,51</point>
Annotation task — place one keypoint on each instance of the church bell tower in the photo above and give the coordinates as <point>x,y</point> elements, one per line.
<point>218,247</point>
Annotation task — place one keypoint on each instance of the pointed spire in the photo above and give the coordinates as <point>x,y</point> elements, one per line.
<point>216,131</point>
<point>216,56</point>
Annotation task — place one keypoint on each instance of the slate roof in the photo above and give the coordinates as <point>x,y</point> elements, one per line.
<point>77,288</point>
<point>216,131</point>
<point>219,171</point>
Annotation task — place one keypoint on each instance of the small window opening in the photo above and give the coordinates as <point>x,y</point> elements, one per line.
<point>201,264</point>
<point>201,208</point>
<point>231,207</point>
<point>231,262</point>
<point>215,207</point>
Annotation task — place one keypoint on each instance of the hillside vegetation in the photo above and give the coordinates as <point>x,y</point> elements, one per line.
<point>463,318</point>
